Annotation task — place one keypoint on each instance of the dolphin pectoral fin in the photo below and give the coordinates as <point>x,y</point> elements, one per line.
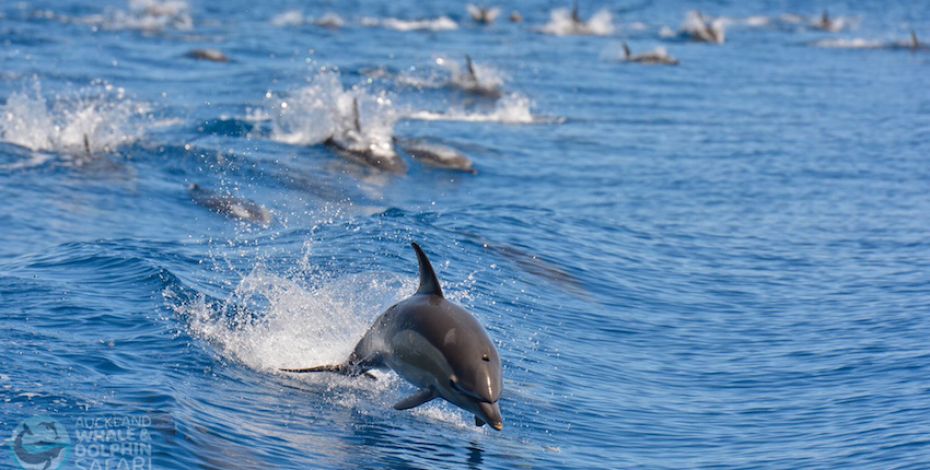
<point>415,400</point>
<point>429,283</point>
<point>479,422</point>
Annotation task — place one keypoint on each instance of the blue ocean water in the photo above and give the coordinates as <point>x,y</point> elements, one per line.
<point>720,264</point>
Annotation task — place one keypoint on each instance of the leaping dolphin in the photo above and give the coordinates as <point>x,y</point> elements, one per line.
<point>435,345</point>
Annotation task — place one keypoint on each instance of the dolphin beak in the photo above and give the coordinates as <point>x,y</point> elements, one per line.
<point>492,414</point>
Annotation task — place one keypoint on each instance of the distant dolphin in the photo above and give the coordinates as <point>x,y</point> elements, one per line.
<point>659,57</point>
<point>235,207</point>
<point>483,15</point>
<point>516,17</point>
<point>210,55</point>
<point>436,346</point>
<point>471,83</point>
<point>576,16</point>
<point>703,30</point>
<point>437,155</point>
<point>352,145</point>
<point>824,22</point>
<point>828,24</point>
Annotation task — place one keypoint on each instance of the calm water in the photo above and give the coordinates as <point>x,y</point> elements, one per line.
<point>720,264</point>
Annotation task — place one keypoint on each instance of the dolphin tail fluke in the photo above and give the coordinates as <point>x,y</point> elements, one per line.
<point>429,283</point>
<point>415,400</point>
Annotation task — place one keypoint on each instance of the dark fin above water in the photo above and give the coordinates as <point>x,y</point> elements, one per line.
<point>471,68</point>
<point>429,283</point>
<point>626,51</point>
<point>478,421</point>
<point>87,147</point>
<point>422,396</point>
<point>576,17</point>
<point>357,121</point>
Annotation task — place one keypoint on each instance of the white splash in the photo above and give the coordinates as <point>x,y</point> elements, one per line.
<point>330,20</point>
<point>703,28</point>
<point>443,23</point>
<point>486,80</point>
<point>102,115</point>
<point>324,109</point>
<point>289,18</point>
<point>562,23</point>
<point>293,18</point>
<point>271,322</point>
<point>148,16</point>
<point>511,109</point>
<point>854,43</point>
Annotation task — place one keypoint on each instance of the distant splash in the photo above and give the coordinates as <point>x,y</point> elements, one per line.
<point>853,43</point>
<point>312,114</point>
<point>292,18</point>
<point>146,15</point>
<point>442,23</point>
<point>511,109</point>
<point>486,80</point>
<point>699,27</point>
<point>862,43</point>
<point>102,113</point>
<point>561,23</point>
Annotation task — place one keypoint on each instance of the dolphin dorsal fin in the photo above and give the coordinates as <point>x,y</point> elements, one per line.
<point>471,68</point>
<point>87,147</point>
<point>355,116</point>
<point>626,51</point>
<point>429,283</point>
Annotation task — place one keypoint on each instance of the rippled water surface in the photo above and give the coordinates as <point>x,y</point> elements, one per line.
<point>718,264</point>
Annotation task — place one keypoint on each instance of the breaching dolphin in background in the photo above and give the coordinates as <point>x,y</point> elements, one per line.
<point>436,346</point>
<point>353,144</point>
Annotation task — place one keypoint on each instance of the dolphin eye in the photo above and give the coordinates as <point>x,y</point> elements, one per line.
<point>485,358</point>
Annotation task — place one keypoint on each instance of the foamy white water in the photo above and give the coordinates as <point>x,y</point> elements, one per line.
<point>511,109</point>
<point>101,114</point>
<point>561,23</point>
